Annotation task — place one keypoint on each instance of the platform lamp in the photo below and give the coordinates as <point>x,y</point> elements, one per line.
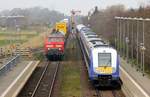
<point>137,41</point>
<point>139,47</point>
<point>143,47</point>
<point>129,19</point>
<point>117,33</point>
<point>132,41</point>
<point>124,36</point>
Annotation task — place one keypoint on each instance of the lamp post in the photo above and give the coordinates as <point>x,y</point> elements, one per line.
<point>132,42</point>
<point>123,39</point>
<point>121,30</point>
<point>118,45</point>
<point>119,34</point>
<point>127,49</point>
<point>123,44</point>
<point>116,34</point>
<point>137,44</point>
<point>142,49</point>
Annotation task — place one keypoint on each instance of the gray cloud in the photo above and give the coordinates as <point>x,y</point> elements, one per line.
<point>66,6</point>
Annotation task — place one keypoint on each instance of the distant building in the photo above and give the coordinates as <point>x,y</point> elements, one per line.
<point>13,21</point>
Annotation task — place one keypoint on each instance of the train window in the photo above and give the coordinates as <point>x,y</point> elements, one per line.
<point>97,41</point>
<point>104,59</point>
<point>55,39</point>
<point>92,36</point>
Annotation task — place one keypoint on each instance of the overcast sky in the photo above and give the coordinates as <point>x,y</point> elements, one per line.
<point>66,5</point>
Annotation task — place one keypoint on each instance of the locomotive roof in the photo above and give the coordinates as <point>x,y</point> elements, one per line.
<point>99,43</point>
<point>84,29</point>
<point>90,33</point>
<point>91,36</point>
<point>80,26</point>
<point>56,34</point>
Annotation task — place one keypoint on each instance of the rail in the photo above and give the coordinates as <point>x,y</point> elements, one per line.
<point>9,65</point>
<point>109,93</point>
<point>41,81</point>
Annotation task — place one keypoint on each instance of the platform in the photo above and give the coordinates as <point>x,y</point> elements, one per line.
<point>134,83</point>
<point>13,81</point>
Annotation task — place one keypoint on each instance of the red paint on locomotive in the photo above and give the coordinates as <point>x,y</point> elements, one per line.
<point>54,46</point>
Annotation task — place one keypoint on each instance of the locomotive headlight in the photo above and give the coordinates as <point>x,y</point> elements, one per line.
<point>59,48</point>
<point>58,45</point>
<point>48,48</point>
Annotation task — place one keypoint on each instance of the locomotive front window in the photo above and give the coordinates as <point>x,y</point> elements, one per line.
<point>104,59</point>
<point>55,39</point>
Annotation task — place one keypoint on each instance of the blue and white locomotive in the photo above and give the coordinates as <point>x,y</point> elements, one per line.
<point>102,61</point>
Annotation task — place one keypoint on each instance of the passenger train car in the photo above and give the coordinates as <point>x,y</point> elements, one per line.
<point>102,61</point>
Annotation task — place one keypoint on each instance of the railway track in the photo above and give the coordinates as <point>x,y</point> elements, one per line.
<point>44,84</point>
<point>109,93</point>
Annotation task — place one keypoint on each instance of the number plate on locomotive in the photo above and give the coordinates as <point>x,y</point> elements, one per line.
<point>104,70</point>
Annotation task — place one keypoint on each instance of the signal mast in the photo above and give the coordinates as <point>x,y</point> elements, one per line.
<point>73,14</point>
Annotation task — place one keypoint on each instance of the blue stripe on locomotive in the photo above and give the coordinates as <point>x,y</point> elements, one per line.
<point>92,74</point>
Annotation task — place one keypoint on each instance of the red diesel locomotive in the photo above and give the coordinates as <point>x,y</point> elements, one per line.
<point>54,46</point>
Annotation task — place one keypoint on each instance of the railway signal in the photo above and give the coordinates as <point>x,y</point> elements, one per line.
<point>73,13</point>
<point>73,24</point>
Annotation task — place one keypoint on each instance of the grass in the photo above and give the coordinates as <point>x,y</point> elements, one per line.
<point>38,56</point>
<point>70,81</point>
<point>6,42</point>
<point>18,34</point>
<point>13,36</point>
<point>27,38</point>
<point>35,42</point>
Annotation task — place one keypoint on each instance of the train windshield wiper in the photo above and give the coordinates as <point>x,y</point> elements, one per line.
<point>108,62</point>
